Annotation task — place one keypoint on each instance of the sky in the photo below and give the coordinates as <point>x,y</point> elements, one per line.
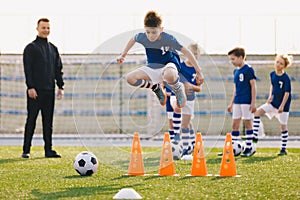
<point>217,25</point>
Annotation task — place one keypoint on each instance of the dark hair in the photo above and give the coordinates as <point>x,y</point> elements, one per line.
<point>43,20</point>
<point>238,51</point>
<point>152,19</point>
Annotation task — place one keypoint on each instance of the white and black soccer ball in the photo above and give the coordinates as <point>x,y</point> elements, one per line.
<point>253,148</point>
<point>238,147</point>
<point>86,163</point>
<point>176,151</point>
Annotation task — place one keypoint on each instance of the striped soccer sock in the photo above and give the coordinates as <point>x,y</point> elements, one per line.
<point>192,140</point>
<point>144,84</point>
<point>284,139</point>
<point>172,134</point>
<point>249,138</point>
<point>235,135</point>
<point>256,124</point>
<point>176,123</point>
<point>185,138</point>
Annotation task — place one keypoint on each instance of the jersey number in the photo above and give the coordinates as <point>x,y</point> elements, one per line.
<point>194,77</point>
<point>241,76</point>
<point>164,49</point>
<point>280,84</point>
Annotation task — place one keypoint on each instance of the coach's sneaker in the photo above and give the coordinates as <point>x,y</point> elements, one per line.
<point>161,95</point>
<point>52,154</point>
<point>25,155</point>
<point>282,152</point>
<point>180,96</point>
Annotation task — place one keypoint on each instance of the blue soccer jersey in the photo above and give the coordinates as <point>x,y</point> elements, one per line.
<point>188,74</point>
<point>281,84</point>
<point>161,51</point>
<point>242,78</point>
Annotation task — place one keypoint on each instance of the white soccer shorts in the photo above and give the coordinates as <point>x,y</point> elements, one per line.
<point>271,112</point>
<point>241,111</point>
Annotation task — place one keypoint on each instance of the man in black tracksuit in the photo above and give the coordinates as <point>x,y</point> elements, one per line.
<point>43,69</point>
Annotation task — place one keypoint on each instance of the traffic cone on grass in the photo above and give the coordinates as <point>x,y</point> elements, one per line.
<point>136,164</point>
<point>166,167</point>
<point>228,167</point>
<point>199,161</point>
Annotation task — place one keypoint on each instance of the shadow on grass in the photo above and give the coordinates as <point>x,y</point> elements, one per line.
<point>149,162</point>
<point>214,160</point>
<point>255,159</point>
<point>12,160</point>
<point>77,192</point>
<point>187,177</point>
<point>76,177</point>
<point>125,176</point>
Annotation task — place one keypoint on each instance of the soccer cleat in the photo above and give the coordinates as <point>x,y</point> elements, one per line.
<point>190,149</point>
<point>52,154</point>
<point>176,139</point>
<point>220,154</point>
<point>282,153</point>
<point>180,96</point>
<point>255,140</point>
<point>248,153</point>
<point>25,155</point>
<point>184,153</point>
<point>161,95</point>
<point>187,157</point>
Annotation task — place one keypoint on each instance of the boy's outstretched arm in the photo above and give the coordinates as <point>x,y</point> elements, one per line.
<point>130,44</point>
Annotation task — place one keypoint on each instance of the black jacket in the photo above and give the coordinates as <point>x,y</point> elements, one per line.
<point>42,65</point>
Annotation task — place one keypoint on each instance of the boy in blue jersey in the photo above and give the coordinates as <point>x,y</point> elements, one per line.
<point>243,100</point>
<point>279,100</point>
<point>162,60</point>
<point>191,85</point>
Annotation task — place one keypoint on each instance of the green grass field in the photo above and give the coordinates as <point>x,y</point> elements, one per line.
<point>263,176</point>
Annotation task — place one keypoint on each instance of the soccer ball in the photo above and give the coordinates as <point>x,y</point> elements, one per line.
<point>86,163</point>
<point>238,147</point>
<point>176,151</point>
<point>253,147</point>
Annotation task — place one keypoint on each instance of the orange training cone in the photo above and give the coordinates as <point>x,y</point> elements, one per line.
<point>199,162</point>
<point>167,167</point>
<point>228,163</point>
<point>136,165</point>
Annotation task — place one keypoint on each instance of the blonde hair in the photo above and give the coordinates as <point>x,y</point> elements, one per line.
<point>288,59</point>
<point>195,48</point>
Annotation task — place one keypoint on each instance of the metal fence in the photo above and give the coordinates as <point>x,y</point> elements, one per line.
<point>98,99</point>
